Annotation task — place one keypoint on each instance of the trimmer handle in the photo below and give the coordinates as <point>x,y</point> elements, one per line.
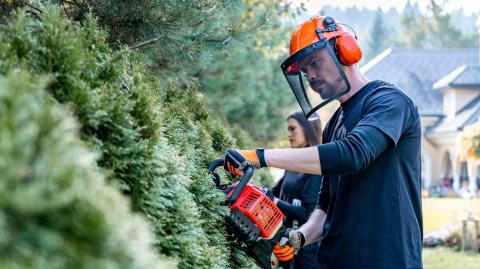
<point>247,175</point>
<point>211,169</point>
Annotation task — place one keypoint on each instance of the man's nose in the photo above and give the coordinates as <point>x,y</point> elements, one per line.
<point>310,75</point>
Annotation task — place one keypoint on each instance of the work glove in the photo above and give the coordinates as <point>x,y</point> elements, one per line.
<point>293,238</point>
<point>284,253</point>
<point>237,160</point>
<point>291,241</point>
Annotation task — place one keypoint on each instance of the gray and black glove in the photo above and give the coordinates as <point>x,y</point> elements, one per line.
<point>294,238</point>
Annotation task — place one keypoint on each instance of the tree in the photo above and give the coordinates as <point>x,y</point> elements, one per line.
<point>442,33</point>
<point>178,36</point>
<point>380,37</point>
<point>470,142</point>
<point>414,30</point>
<point>434,30</point>
<point>253,95</point>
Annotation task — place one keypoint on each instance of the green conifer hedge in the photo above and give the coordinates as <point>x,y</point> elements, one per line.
<point>55,209</point>
<point>153,142</point>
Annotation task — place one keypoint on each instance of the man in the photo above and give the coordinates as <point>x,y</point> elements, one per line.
<point>368,213</point>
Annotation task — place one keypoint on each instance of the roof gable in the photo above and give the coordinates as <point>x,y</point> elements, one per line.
<point>468,115</point>
<point>416,70</point>
<point>466,76</point>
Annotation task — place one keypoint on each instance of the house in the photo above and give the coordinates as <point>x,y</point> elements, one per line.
<point>445,85</point>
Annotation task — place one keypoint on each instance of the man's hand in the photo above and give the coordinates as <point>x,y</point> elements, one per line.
<point>293,238</point>
<point>237,160</point>
<point>284,253</point>
<point>291,241</point>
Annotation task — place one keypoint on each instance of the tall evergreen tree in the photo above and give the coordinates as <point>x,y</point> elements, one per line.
<point>380,35</point>
<point>443,31</point>
<point>179,37</point>
<point>253,95</point>
<point>433,30</point>
<point>414,30</point>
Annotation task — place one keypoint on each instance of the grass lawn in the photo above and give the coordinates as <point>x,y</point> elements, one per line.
<point>444,258</point>
<point>441,212</point>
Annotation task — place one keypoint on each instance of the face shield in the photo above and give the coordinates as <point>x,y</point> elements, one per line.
<point>316,77</point>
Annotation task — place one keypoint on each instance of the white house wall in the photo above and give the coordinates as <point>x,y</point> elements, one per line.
<point>454,99</point>
<point>436,146</point>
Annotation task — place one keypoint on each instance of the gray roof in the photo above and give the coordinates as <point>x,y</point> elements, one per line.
<point>416,70</point>
<point>468,115</point>
<point>466,76</point>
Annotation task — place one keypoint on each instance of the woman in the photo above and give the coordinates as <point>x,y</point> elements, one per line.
<point>296,193</point>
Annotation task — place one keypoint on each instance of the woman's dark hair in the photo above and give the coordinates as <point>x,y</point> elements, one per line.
<point>311,129</point>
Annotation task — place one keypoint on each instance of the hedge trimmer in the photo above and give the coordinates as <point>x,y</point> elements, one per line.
<point>254,222</point>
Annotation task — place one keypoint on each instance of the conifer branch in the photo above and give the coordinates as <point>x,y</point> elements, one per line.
<point>142,44</point>
<point>27,3</point>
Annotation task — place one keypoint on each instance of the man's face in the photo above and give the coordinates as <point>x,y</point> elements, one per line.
<point>322,73</point>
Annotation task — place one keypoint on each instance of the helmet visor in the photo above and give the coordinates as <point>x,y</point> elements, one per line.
<point>315,77</point>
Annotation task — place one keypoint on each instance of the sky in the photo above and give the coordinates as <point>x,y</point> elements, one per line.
<point>313,6</point>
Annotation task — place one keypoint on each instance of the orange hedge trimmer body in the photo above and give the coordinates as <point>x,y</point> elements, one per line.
<point>254,222</point>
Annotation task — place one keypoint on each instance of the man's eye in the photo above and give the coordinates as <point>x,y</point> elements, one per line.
<point>314,63</point>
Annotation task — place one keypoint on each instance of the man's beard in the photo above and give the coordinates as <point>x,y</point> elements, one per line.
<point>329,90</point>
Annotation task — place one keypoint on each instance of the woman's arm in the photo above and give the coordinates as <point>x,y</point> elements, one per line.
<point>297,212</point>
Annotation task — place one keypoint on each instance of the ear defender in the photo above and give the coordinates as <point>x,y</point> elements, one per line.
<point>349,51</point>
<point>347,48</point>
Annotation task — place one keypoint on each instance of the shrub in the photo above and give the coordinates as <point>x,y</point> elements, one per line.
<point>117,104</point>
<point>55,209</point>
<point>123,113</point>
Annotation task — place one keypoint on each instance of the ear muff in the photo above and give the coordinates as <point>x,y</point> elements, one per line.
<point>348,49</point>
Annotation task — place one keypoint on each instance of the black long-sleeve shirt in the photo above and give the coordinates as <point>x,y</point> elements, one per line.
<point>370,160</point>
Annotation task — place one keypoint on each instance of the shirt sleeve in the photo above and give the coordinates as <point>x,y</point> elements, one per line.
<point>324,195</point>
<point>385,118</point>
<point>390,111</point>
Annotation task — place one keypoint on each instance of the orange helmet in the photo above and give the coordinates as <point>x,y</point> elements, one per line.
<point>346,45</point>
<point>317,33</point>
